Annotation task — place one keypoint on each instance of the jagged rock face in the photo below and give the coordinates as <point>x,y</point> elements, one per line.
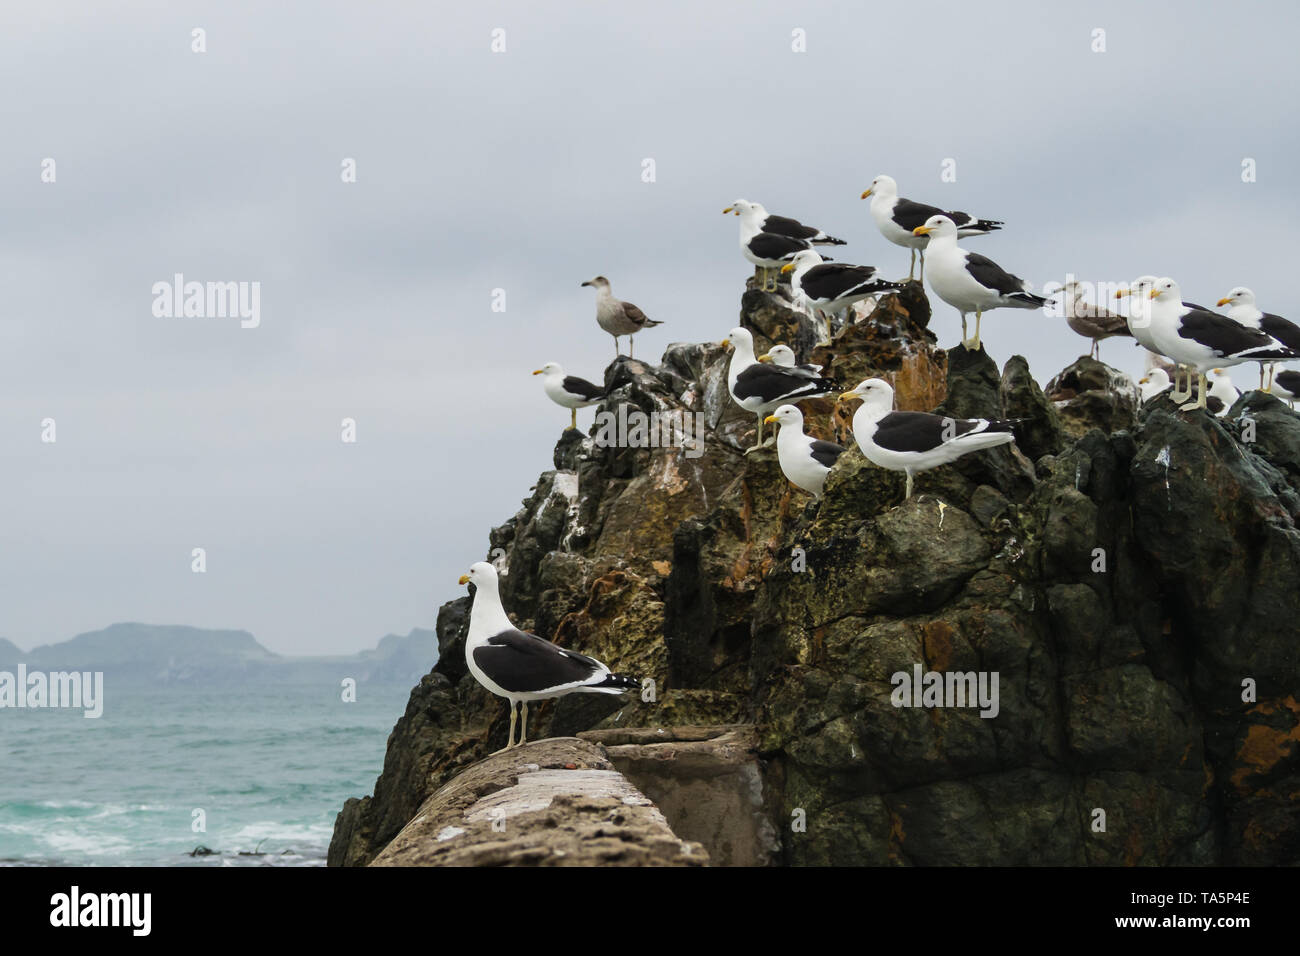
<point>1131,574</point>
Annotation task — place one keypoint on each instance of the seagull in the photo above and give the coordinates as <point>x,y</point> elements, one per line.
<point>897,219</point>
<point>1223,392</point>
<point>615,317</point>
<point>1153,383</point>
<point>1245,311</point>
<point>568,390</point>
<point>1091,321</point>
<point>968,281</point>
<point>1205,340</point>
<point>804,461</point>
<point>916,441</point>
<point>762,388</point>
<point>1285,385</point>
<point>520,666</point>
<point>783,356</point>
<point>755,218</point>
<point>1139,318</point>
<point>830,286</point>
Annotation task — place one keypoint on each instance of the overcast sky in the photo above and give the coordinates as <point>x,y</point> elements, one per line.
<point>519,170</point>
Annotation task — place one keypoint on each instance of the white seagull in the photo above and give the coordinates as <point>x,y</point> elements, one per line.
<point>831,286</point>
<point>520,666</point>
<point>805,461</point>
<point>1245,311</point>
<point>1205,340</point>
<point>616,317</point>
<point>1153,383</point>
<point>916,441</point>
<point>968,281</point>
<point>756,219</point>
<point>897,219</point>
<point>760,387</point>
<point>569,391</point>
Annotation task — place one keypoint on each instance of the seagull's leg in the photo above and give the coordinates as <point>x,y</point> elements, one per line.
<point>523,723</point>
<point>1261,376</point>
<point>573,419</point>
<point>922,279</point>
<point>911,265</point>
<point>963,328</point>
<point>909,485</point>
<point>631,346</point>
<point>1176,393</point>
<point>510,741</point>
<point>978,315</point>
<point>1272,371</point>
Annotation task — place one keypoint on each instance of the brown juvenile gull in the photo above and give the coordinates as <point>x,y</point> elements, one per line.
<point>1091,321</point>
<point>617,317</point>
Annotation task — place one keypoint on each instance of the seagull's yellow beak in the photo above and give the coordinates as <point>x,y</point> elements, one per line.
<point>464,579</point>
<point>1224,301</point>
<point>766,357</point>
<point>788,267</point>
<point>921,231</point>
<point>539,372</point>
<point>769,420</point>
<point>865,194</point>
<point>1218,371</point>
<point>728,209</point>
<point>1121,293</point>
<point>725,342</point>
<point>845,396</point>
<point>1154,293</point>
<point>1143,380</point>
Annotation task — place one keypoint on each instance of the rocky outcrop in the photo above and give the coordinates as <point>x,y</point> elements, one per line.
<point>554,802</point>
<point>1131,575</point>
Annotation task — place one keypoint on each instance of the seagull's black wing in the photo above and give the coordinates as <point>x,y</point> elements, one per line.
<point>580,386</point>
<point>909,214</point>
<point>825,453</point>
<point>522,662</point>
<point>1284,330</point>
<point>991,275</point>
<point>767,245</point>
<point>784,226</point>
<point>1226,337</point>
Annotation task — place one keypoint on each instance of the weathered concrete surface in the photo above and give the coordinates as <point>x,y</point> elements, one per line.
<point>707,782</point>
<point>556,802</point>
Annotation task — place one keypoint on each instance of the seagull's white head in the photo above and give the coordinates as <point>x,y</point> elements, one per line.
<point>786,415</point>
<point>803,260</point>
<point>1137,288</point>
<point>937,227</point>
<point>882,185</point>
<point>600,283</point>
<point>1157,378</point>
<point>1165,290</point>
<point>549,369</point>
<point>875,393</point>
<point>781,355</point>
<point>481,575</point>
<point>740,338</point>
<point>1238,296</point>
<point>740,207</point>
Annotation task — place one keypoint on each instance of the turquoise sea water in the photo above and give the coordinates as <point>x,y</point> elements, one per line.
<point>268,765</point>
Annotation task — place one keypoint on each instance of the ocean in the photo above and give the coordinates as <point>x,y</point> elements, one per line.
<point>268,767</point>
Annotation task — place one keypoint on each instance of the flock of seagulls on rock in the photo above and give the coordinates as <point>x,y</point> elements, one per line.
<point>1195,340</point>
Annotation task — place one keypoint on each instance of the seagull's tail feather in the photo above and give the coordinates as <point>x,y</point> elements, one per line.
<point>651,322</point>
<point>612,684</point>
<point>825,240</point>
<point>980,227</point>
<point>1027,300</point>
